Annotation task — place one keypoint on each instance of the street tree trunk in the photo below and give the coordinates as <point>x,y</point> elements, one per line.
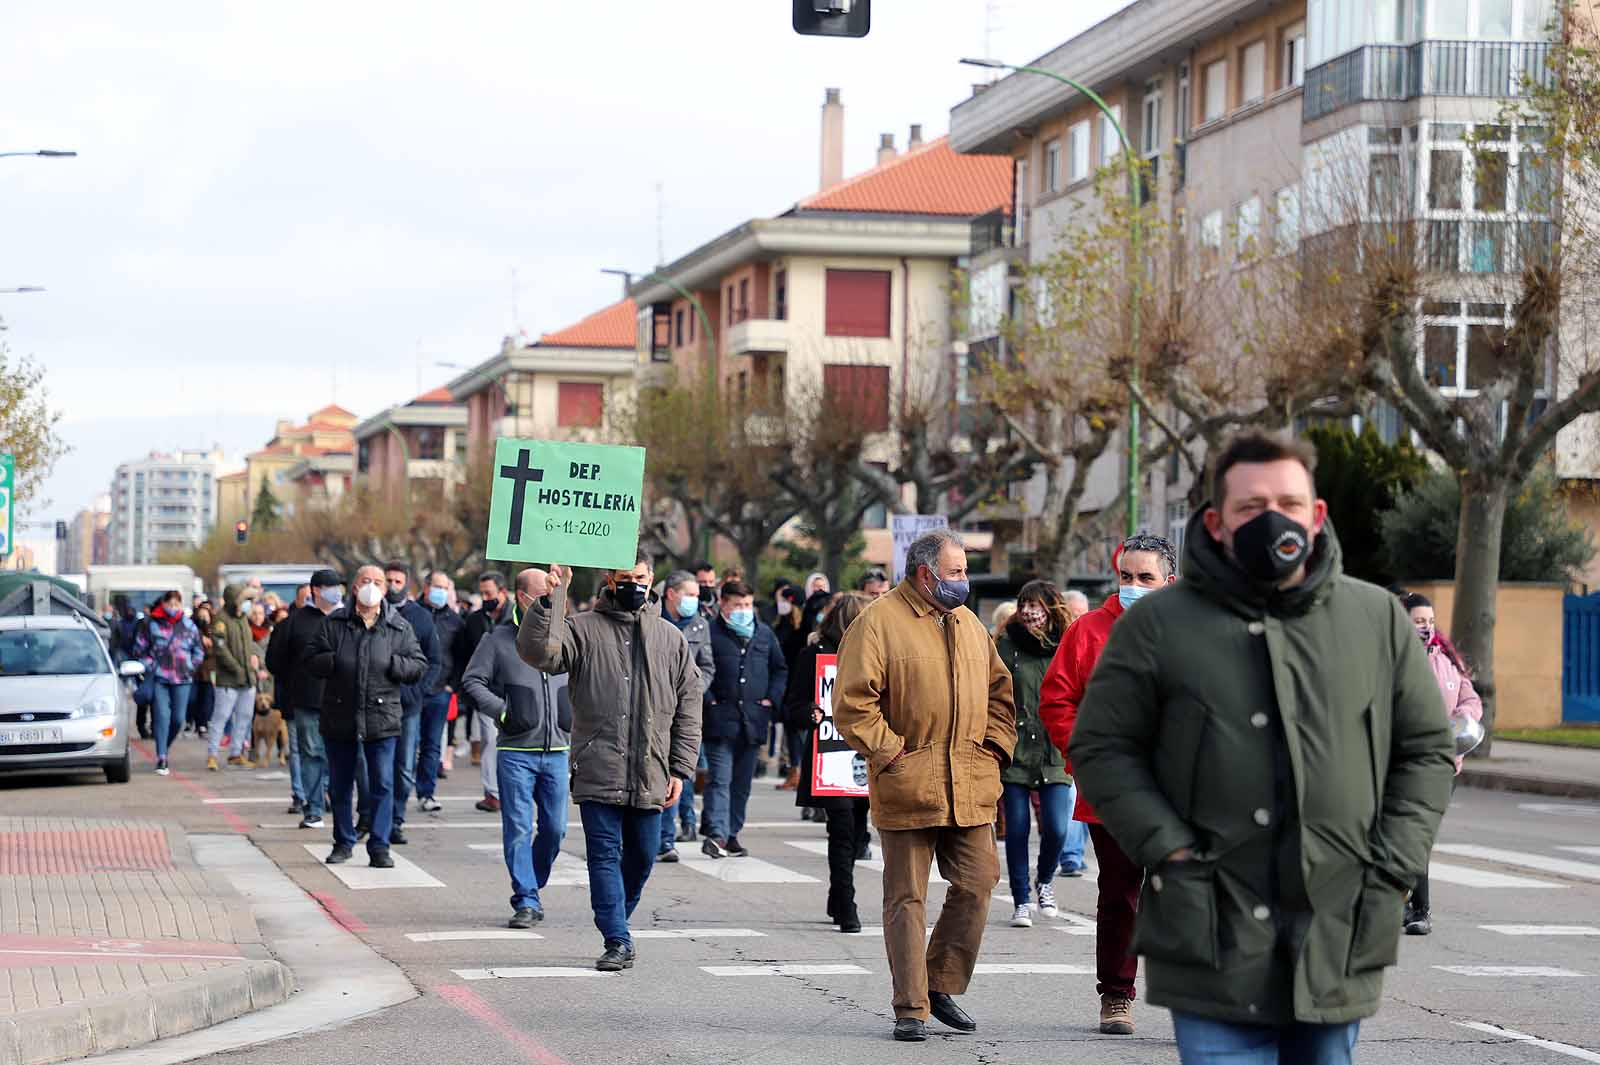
<point>1483,515</point>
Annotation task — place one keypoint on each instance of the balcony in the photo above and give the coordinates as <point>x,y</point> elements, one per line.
<point>991,231</point>
<point>1398,72</point>
<point>757,336</point>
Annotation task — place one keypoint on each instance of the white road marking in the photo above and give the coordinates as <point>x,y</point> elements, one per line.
<point>1563,866</point>
<point>410,824</point>
<point>1542,929</point>
<point>1532,1040</point>
<point>820,846</point>
<point>696,933</point>
<point>744,871</point>
<point>1483,878</point>
<point>471,933</point>
<point>873,931</point>
<point>1505,970</point>
<point>1073,924</point>
<point>359,876</point>
<point>1592,851</point>
<point>1563,809</point>
<point>242,801</point>
<point>1045,970</point>
<point>785,970</point>
<point>276,774</point>
<point>534,972</point>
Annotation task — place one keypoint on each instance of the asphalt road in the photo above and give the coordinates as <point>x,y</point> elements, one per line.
<point>1536,863</point>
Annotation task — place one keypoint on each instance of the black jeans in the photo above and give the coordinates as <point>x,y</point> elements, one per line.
<point>847,831</point>
<point>1419,893</point>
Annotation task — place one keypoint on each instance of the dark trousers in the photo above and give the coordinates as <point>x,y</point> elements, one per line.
<point>847,832</point>
<point>435,708</point>
<point>1120,881</point>
<point>620,845</point>
<point>343,756</point>
<point>1419,893</point>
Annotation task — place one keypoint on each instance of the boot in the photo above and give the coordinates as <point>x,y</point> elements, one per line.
<point>790,782</point>
<point>477,752</point>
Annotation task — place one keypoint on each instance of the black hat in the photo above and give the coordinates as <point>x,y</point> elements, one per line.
<point>325,578</point>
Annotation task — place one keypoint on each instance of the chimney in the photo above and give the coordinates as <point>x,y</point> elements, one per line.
<point>832,140</point>
<point>886,150</point>
<point>915,140</point>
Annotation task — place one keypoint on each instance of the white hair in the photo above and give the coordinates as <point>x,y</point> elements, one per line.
<point>1075,596</point>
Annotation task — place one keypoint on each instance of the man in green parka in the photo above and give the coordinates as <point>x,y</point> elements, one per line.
<point>1266,739</point>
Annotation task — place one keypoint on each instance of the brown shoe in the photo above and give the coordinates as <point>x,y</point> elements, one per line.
<point>790,782</point>
<point>1116,1015</point>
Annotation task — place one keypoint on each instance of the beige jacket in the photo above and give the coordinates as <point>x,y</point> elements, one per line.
<point>911,678</point>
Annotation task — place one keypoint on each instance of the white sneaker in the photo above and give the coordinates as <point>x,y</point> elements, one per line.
<point>1047,901</point>
<point>1022,918</point>
<point>430,805</point>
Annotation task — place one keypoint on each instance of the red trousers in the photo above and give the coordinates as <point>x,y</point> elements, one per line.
<point>1120,881</point>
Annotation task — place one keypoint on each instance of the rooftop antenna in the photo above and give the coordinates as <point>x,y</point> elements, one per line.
<point>335,398</point>
<point>419,366</point>
<point>991,26</point>
<point>516,313</point>
<point>661,231</point>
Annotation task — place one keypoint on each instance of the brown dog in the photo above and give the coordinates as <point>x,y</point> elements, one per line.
<point>266,728</point>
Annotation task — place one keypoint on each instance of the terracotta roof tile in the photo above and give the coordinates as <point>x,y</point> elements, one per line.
<point>437,395</point>
<point>932,179</point>
<point>332,409</point>
<point>614,327</point>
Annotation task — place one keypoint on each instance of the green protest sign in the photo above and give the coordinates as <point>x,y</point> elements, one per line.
<point>576,504</point>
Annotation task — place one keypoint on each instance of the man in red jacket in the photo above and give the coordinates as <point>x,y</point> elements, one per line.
<point>1143,563</point>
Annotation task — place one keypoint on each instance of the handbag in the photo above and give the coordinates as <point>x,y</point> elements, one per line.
<point>144,693</point>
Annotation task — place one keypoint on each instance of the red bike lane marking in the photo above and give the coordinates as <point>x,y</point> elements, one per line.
<point>193,787</point>
<point>475,1007</point>
<point>338,914</point>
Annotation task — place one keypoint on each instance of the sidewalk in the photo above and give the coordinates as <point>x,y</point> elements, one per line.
<point>112,936</point>
<point>1539,768</point>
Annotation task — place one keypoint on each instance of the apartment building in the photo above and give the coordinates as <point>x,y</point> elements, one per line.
<point>559,387</point>
<point>420,442</point>
<point>1248,112</point>
<point>846,293</point>
<point>161,504</point>
<point>325,432</point>
<point>88,540</point>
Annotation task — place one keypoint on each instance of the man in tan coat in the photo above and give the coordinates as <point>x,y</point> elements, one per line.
<point>922,694</point>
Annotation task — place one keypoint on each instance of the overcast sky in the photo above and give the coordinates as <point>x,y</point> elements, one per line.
<point>279,205</point>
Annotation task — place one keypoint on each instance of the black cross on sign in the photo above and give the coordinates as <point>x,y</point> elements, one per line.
<point>521,476</point>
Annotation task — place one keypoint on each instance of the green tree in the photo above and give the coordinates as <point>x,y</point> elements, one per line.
<point>1540,542</point>
<point>266,515</point>
<point>1361,478</point>
<point>27,422</point>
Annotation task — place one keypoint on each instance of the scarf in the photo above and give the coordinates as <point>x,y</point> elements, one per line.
<point>259,633</point>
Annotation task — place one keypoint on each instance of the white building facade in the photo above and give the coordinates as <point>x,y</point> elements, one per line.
<point>162,503</point>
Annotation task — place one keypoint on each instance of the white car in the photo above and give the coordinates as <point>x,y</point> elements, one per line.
<point>63,704</point>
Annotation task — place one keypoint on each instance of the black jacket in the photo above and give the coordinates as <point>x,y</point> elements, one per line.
<point>798,699</point>
<point>420,618</point>
<point>296,688</point>
<point>364,670</point>
<point>748,671</point>
<point>478,624</point>
<point>447,623</point>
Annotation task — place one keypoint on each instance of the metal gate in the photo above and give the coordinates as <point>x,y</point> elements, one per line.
<point>1580,658</point>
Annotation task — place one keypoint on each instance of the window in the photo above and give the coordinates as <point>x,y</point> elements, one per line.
<point>1180,120</point>
<point>1215,89</point>
<point>1050,178</point>
<point>430,445</point>
<point>857,303</point>
<point>1286,214</point>
<point>730,304</point>
<point>1253,83</point>
<point>1110,142</point>
<point>1449,18</point>
<point>780,296</point>
<point>743,313</point>
<point>1177,522</point>
<point>1078,153</point>
<point>1249,226</point>
<point>1150,120</point>
<point>1385,188</point>
<point>1444,180</point>
<point>1491,172</point>
<point>1462,351</point>
<point>1294,56</point>
<point>1535,182</point>
<point>580,405</point>
<point>1211,231</point>
<point>1439,355</point>
<point>1020,203</point>
<point>1494,20</point>
<point>677,328</point>
<point>859,394</point>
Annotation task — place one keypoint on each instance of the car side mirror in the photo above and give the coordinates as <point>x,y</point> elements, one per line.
<point>131,668</point>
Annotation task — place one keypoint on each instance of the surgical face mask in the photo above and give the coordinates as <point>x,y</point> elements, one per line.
<point>396,596</point>
<point>630,596</point>
<point>1271,546</point>
<point>1130,594</point>
<point>688,606</point>
<point>174,611</point>
<point>244,607</point>
<point>742,622</point>
<point>438,597</point>
<point>785,608</point>
<point>950,594</point>
<point>331,594</point>
<point>1034,617</point>
<point>369,595</point>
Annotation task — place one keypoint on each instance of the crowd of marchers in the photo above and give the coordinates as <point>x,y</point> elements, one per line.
<point>1257,748</point>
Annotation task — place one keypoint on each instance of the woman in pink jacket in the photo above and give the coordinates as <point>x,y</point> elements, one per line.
<point>1455,685</point>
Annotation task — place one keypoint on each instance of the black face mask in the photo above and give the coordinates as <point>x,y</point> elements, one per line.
<point>1271,546</point>
<point>708,594</point>
<point>396,596</point>
<point>630,596</point>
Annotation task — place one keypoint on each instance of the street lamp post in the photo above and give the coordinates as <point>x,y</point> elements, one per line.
<point>1135,241</point>
<point>699,310</point>
<point>45,153</point>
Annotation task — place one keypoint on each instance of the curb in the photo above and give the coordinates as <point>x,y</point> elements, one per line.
<point>1496,781</point>
<point>62,1033</point>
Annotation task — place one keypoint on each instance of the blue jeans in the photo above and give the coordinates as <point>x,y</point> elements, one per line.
<point>531,783</point>
<point>430,746</point>
<point>1203,1041</point>
<point>1077,836</point>
<point>670,817</point>
<point>343,756</point>
<point>313,760</point>
<point>620,845</point>
<point>730,769</point>
<point>296,792</point>
<point>405,763</point>
<point>167,714</point>
<point>1055,814</point>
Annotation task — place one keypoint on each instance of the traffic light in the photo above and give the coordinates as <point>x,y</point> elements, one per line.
<point>833,18</point>
<point>241,531</point>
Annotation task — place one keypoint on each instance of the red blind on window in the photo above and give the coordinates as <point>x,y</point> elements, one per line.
<point>859,394</point>
<point>858,303</point>
<point>579,405</point>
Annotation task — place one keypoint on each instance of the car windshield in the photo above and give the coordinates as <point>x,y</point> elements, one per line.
<point>51,652</point>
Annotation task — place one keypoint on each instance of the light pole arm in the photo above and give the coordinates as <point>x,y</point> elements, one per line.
<point>700,312</point>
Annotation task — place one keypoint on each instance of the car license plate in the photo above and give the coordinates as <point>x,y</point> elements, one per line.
<point>16,736</point>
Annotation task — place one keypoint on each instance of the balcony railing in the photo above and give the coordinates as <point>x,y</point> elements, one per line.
<point>1395,72</point>
<point>991,231</point>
